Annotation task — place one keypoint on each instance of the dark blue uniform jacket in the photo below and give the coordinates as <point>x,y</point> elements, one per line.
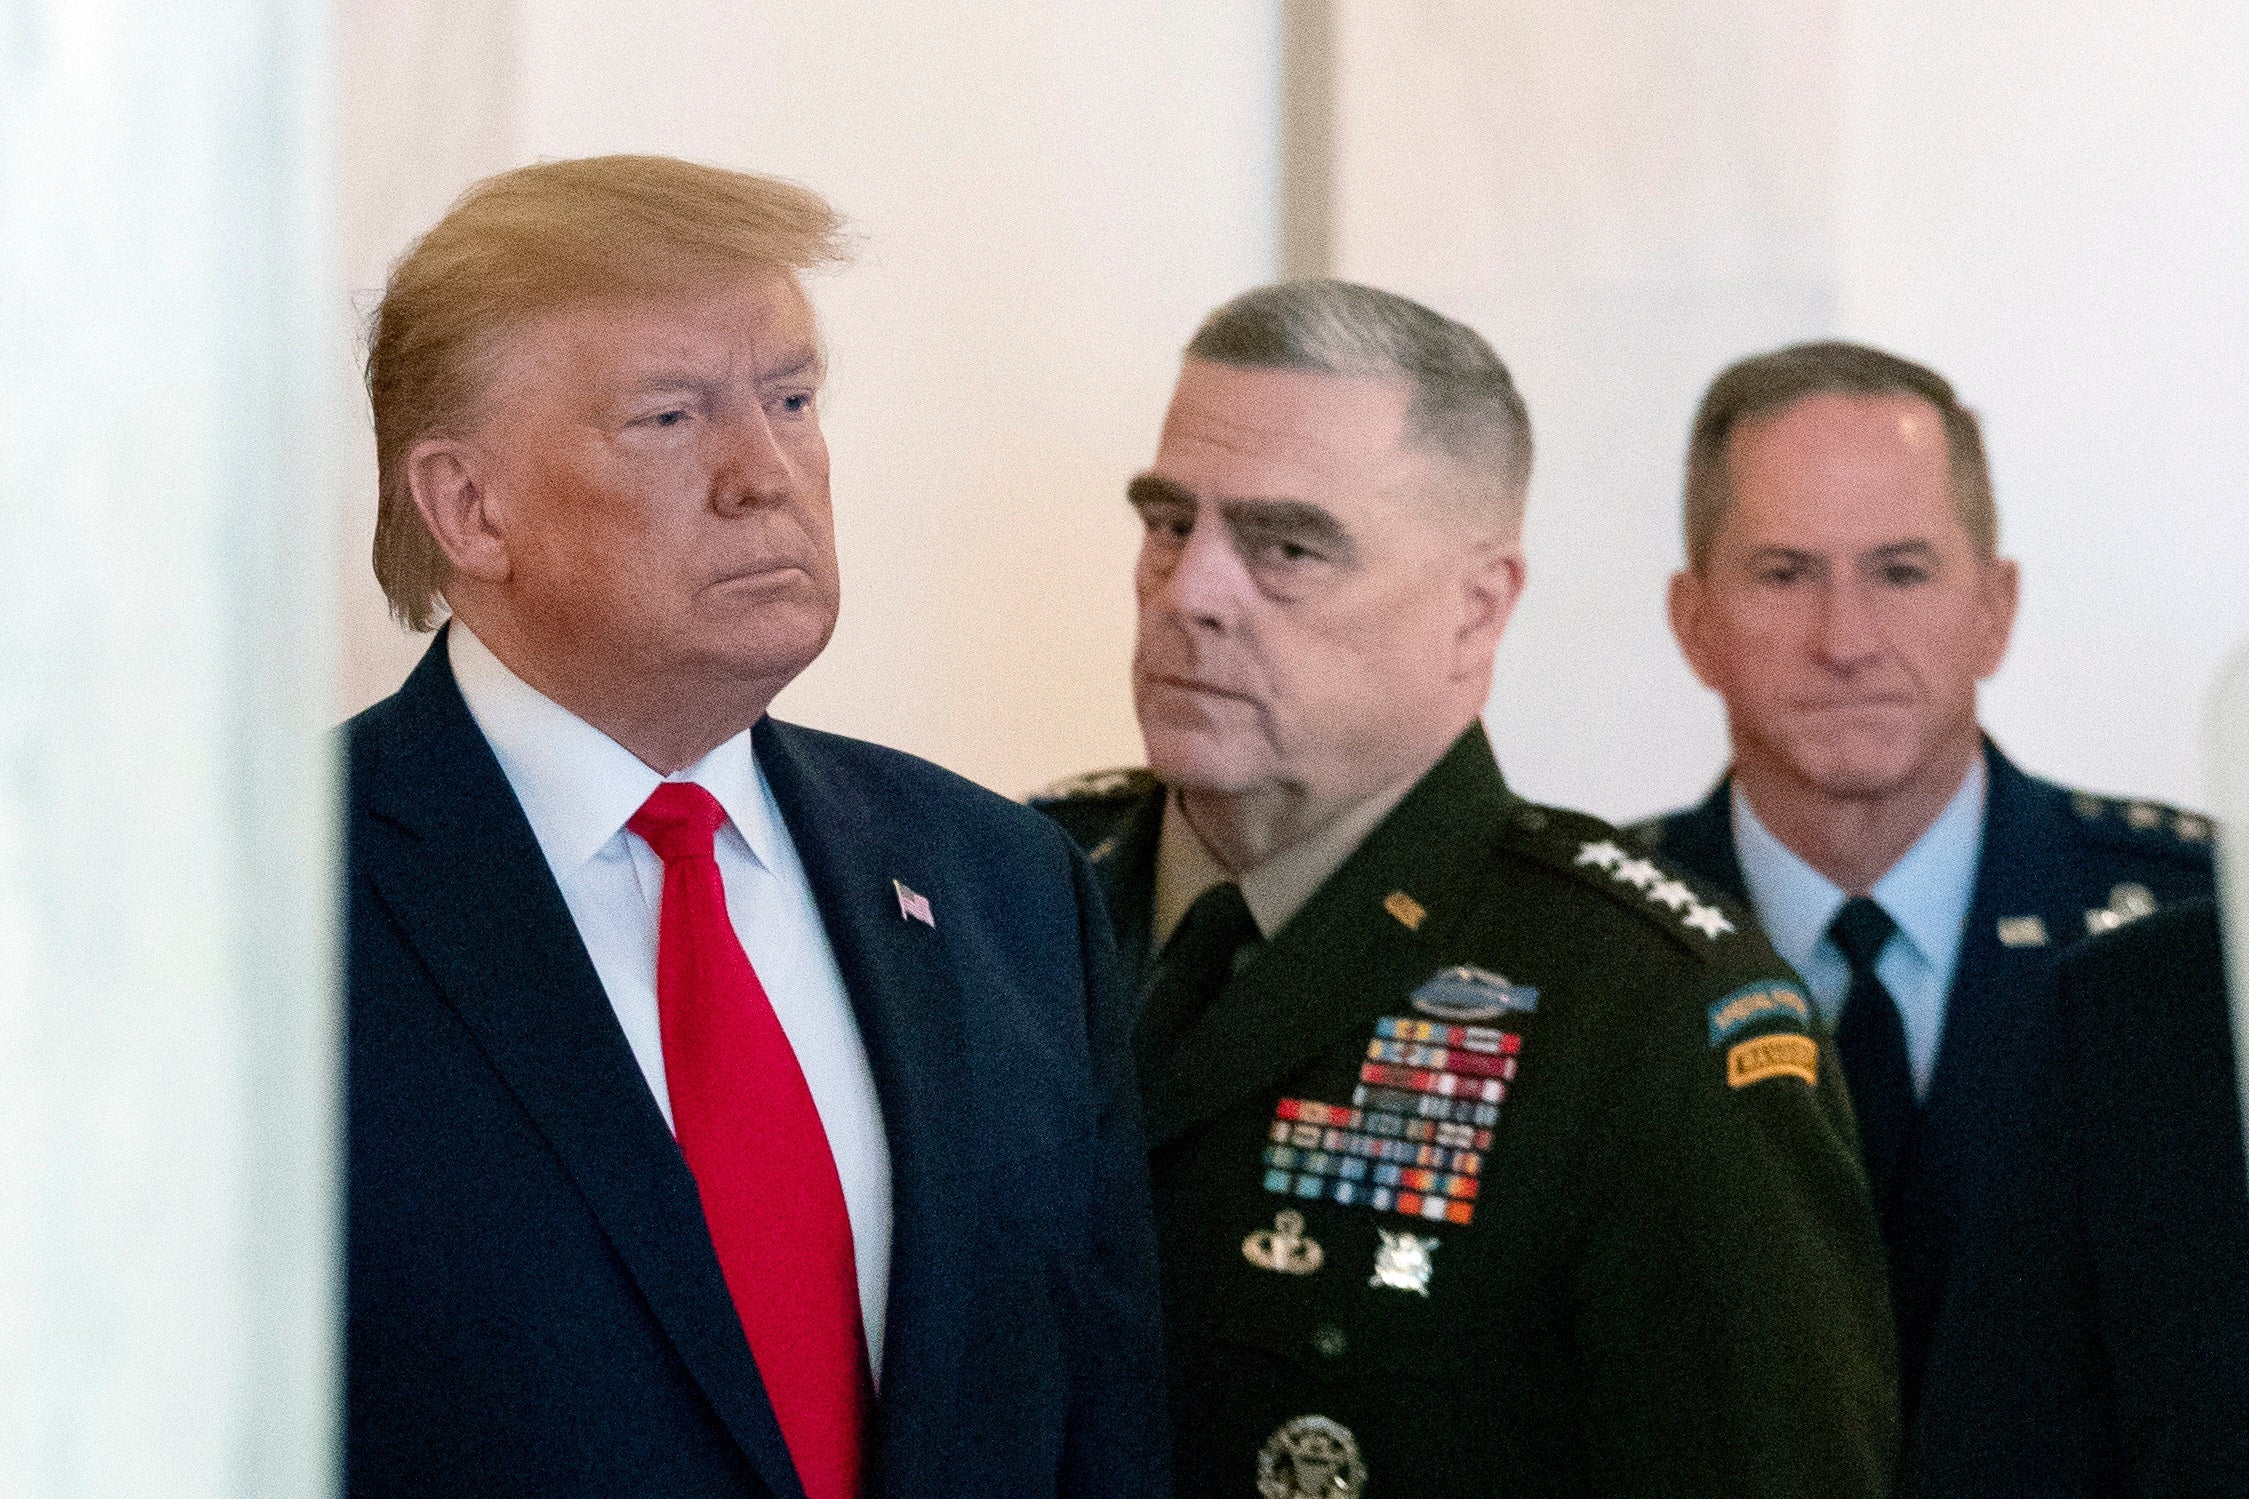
<point>534,1305</point>
<point>2069,860</point>
<point>2095,1338</point>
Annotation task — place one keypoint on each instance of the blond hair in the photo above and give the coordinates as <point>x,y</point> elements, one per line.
<point>1765,384</point>
<point>526,243</point>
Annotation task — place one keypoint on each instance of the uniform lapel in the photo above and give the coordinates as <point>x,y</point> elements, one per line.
<point>903,994</point>
<point>2016,875</point>
<point>1703,841</point>
<point>440,835</point>
<point>1346,957</point>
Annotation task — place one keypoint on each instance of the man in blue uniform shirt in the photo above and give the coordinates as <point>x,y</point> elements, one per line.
<point>1844,594</point>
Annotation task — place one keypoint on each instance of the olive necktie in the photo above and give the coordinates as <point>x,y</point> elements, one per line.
<point>1193,966</point>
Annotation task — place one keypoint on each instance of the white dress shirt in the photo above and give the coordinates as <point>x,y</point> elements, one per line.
<point>1927,893</point>
<point>578,787</point>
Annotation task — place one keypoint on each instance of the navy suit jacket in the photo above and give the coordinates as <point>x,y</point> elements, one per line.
<point>2095,1338</point>
<point>2048,853</point>
<point>534,1306</point>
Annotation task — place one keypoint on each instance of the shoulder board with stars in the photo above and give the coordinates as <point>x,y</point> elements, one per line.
<point>1602,856</point>
<point>1122,785</point>
<point>2143,824</point>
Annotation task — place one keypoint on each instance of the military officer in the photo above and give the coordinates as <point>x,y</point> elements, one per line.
<point>1844,595</point>
<point>1489,1156</point>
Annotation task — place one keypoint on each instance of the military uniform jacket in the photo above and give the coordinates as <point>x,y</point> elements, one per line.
<point>2056,865</point>
<point>2094,1341</point>
<point>1579,1222</point>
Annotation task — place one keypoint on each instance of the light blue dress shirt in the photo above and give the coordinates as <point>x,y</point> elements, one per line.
<point>1927,893</point>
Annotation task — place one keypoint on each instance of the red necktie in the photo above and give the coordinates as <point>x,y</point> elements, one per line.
<point>753,1139</point>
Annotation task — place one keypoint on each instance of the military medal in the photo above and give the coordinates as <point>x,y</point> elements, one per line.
<point>1284,1246</point>
<point>1412,1139</point>
<point>1311,1458</point>
<point>1403,1263</point>
<point>1467,994</point>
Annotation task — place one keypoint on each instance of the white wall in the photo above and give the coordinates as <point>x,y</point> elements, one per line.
<point>169,1047</point>
<point>1050,192</point>
<point>2044,201</point>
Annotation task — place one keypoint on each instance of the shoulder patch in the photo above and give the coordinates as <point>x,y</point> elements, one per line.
<point>2143,824</point>
<point>1595,853</point>
<point>1128,784</point>
<point>1763,1057</point>
<point>1752,1003</point>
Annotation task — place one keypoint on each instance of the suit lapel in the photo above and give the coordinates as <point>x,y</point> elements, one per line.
<point>1346,956</point>
<point>903,994</point>
<point>448,850</point>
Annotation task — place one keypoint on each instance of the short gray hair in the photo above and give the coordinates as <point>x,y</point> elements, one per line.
<point>1465,404</point>
<point>1767,384</point>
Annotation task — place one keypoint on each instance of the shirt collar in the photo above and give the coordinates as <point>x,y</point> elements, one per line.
<point>1926,892</point>
<point>1275,890</point>
<point>577,785</point>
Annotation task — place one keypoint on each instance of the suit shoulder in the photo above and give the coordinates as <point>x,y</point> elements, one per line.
<point>1662,901</point>
<point>1126,784</point>
<point>929,787</point>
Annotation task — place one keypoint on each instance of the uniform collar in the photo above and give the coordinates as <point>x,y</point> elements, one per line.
<point>1927,892</point>
<point>577,785</point>
<point>1275,890</point>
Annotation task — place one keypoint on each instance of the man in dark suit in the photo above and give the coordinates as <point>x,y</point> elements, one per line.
<point>1488,1159</point>
<point>1844,594</point>
<point>2095,1338</point>
<point>735,1109</point>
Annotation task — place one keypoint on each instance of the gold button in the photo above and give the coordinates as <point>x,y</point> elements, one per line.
<point>1329,1340</point>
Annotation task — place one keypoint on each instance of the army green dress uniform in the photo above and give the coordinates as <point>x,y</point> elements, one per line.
<point>1512,1164</point>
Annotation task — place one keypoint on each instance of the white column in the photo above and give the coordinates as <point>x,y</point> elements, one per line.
<point>168,1026</point>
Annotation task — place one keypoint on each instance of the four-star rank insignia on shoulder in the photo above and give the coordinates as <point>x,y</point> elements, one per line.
<point>1659,886</point>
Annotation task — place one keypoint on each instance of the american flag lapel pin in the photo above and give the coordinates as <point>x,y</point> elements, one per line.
<point>913,907</point>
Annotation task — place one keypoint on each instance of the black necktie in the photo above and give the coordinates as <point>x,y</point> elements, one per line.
<point>1870,1037</point>
<point>1194,965</point>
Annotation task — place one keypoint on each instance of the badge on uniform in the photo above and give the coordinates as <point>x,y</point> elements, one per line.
<point>1746,1006</point>
<point>1773,1056</point>
<point>2022,931</point>
<point>1285,1246</point>
<point>1413,1137</point>
<point>1464,994</point>
<point>1311,1458</point>
<point>1404,1262</point>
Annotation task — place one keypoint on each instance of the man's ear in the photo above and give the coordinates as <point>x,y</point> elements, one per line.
<point>2002,593</point>
<point>1689,602</point>
<point>1490,591</point>
<point>450,479</point>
